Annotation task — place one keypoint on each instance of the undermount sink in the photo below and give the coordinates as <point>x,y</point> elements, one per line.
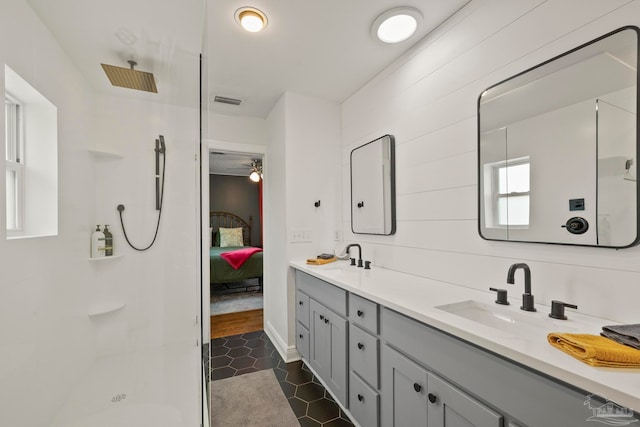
<point>500,317</point>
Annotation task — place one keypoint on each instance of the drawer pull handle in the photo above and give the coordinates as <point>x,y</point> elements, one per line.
<point>417,387</point>
<point>360,313</point>
<point>326,320</point>
<point>360,398</point>
<point>432,398</point>
<point>360,346</point>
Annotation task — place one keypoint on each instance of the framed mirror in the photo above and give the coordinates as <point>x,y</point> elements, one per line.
<point>373,209</point>
<point>558,149</point>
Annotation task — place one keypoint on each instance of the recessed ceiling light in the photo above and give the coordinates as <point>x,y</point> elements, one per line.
<point>396,25</point>
<point>251,19</point>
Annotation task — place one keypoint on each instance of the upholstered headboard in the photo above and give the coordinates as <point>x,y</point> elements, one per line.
<point>229,220</point>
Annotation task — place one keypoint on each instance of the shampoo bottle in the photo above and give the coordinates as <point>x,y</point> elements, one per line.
<point>108,241</point>
<point>97,243</point>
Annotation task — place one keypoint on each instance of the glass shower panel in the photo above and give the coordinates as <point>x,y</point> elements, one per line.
<point>617,171</point>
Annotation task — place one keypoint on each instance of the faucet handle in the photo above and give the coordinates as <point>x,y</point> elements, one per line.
<point>557,309</point>
<point>353,261</point>
<point>502,296</point>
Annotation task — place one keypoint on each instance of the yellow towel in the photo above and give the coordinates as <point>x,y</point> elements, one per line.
<point>320,261</point>
<point>596,350</point>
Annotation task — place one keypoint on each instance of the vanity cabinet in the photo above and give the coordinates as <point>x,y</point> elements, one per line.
<point>322,331</point>
<point>328,348</point>
<point>391,370</point>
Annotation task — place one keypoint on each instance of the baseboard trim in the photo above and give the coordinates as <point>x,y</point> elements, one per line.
<point>288,353</point>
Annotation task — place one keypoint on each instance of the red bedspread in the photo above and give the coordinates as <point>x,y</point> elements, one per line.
<point>238,257</point>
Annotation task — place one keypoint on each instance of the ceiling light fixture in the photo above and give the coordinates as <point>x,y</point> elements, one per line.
<point>251,19</point>
<point>396,25</point>
<point>256,170</point>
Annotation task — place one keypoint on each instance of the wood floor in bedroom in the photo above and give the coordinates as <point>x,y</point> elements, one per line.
<point>224,325</point>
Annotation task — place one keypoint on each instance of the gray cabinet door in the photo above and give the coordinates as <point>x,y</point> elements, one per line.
<point>319,339</point>
<point>328,349</point>
<point>403,391</point>
<point>450,407</point>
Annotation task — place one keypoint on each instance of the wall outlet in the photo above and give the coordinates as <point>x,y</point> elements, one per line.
<point>300,235</point>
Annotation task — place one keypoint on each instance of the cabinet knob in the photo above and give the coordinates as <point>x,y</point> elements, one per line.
<point>300,336</point>
<point>432,398</point>
<point>360,313</point>
<point>360,397</point>
<point>299,302</point>
<point>321,317</point>
<point>417,387</point>
<point>360,346</point>
<point>326,320</point>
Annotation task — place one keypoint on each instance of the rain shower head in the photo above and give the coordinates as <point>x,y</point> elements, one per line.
<point>130,78</point>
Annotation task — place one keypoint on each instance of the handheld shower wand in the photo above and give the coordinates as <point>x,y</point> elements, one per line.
<point>160,148</point>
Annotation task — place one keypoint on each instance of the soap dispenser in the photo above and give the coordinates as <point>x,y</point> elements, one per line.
<point>97,243</point>
<point>108,241</point>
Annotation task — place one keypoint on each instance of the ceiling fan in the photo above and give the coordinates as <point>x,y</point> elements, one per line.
<point>256,170</point>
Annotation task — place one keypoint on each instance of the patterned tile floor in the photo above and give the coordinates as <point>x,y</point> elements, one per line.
<point>253,351</point>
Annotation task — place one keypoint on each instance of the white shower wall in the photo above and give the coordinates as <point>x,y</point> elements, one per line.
<point>430,101</point>
<point>48,342</point>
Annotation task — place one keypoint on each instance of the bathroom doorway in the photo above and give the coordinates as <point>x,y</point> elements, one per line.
<point>233,244</point>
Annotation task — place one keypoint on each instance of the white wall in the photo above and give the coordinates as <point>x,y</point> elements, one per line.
<point>45,334</point>
<point>430,106</point>
<point>302,168</point>
<point>48,343</point>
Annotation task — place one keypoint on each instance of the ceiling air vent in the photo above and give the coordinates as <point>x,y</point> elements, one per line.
<point>225,100</point>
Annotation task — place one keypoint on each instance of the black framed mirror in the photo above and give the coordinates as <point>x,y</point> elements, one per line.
<point>373,209</point>
<point>558,148</point>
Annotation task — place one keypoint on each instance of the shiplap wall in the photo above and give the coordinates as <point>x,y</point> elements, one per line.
<point>428,100</point>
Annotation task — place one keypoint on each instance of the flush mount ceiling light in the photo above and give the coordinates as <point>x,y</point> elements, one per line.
<point>396,25</point>
<point>251,19</point>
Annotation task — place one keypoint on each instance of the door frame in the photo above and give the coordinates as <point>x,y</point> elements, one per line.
<point>226,147</point>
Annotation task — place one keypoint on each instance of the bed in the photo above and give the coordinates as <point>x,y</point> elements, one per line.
<point>221,270</point>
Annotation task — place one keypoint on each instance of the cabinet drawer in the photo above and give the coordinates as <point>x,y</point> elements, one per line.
<point>302,308</point>
<point>302,340</point>
<point>363,402</point>
<point>363,312</point>
<point>363,355</point>
<point>327,294</point>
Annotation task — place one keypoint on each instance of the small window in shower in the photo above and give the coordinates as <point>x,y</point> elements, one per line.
<point>31,160</point>
<point>14,166</point>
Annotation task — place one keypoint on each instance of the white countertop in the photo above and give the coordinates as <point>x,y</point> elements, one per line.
<point>418,298</point>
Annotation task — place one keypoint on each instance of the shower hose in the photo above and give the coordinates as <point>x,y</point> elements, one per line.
<point>121,207</point>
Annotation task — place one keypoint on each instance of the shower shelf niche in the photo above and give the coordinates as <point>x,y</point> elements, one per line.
<point>103,258</point>
<point>104,308</point>
<point>105,155</point>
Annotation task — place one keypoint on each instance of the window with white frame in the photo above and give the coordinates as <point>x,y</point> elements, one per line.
<point>31,160</point>
<point>511,180</point>
<point>14,163</point>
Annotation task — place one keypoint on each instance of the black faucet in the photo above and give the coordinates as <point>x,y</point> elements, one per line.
<point>527,298</point>
<point>353,260</point>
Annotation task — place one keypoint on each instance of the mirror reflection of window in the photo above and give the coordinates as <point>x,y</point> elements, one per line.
<point>511,203</point>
